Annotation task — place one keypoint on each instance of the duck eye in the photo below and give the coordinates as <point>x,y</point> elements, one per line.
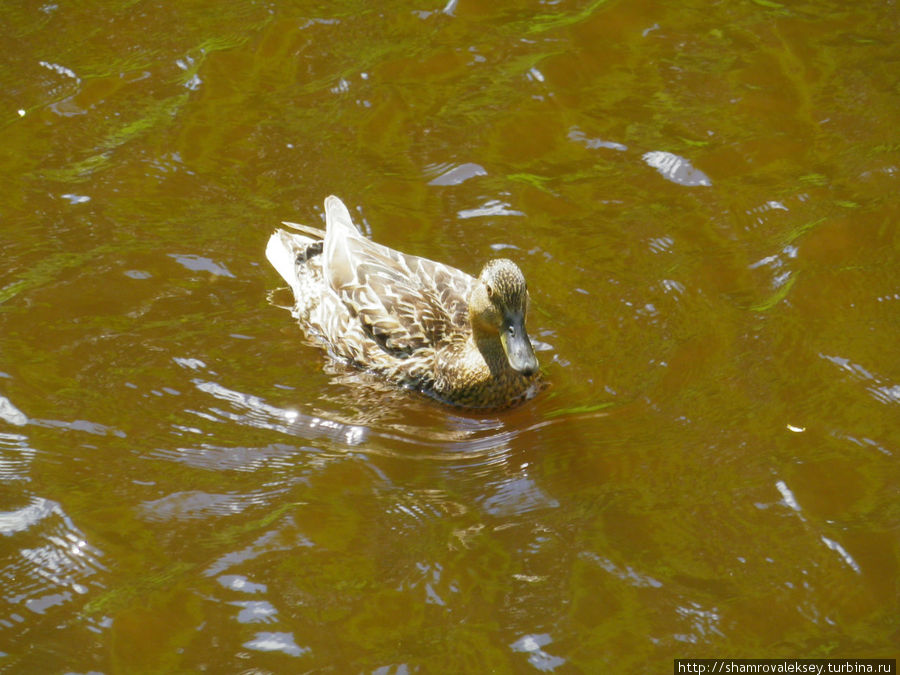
<point>490,291</point>
<point>511,330</point>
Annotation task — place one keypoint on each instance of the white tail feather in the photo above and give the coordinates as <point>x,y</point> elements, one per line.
<point>282,257</point>
<point>339,228</point>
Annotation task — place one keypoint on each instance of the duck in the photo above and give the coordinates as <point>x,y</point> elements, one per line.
<point>415,322</point>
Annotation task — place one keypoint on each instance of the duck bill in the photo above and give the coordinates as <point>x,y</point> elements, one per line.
<point>518,348</point>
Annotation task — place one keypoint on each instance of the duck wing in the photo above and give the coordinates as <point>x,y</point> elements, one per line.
<point>405,303</point>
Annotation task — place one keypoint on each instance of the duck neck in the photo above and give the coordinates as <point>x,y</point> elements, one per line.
<point>492,352</point>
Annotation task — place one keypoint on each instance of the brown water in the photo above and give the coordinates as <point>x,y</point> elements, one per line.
<point>187,486</point>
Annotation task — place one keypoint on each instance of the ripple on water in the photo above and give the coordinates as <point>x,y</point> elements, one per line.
<point>515,496</point>
<point>879,387</point>
<point>276,642</point>
<point>533,645</point>
<point>233,458</point>
<point>253,411</point>
<point>676,169</point>
<point>16,456</point>
<point>53,563</point>
<point>11,414</point>
<point>360,414</point>
<point>454,174</point>
<point>194,504</point>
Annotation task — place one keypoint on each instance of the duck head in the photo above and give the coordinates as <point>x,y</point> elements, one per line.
<point>497,308</point>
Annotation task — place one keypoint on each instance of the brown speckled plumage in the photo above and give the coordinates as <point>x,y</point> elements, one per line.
<point>417,322</point>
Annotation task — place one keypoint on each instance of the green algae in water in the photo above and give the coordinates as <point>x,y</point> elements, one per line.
<point>128,593</point>
<point>125,594</point>
<point>197,56</point>
<point>776,297</point>
<point>229,535</point>
<point>545,22</point>
<point>539,182</point>
<point>814,179</point>
<point>799,231</point>
<point>579,410</point>
<point>156,115</point>
<point>48,269</point>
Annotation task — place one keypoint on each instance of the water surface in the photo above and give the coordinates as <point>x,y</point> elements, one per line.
<point>703,199</point>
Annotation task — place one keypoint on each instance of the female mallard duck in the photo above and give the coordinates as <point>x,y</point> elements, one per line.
<point>416,322</point>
